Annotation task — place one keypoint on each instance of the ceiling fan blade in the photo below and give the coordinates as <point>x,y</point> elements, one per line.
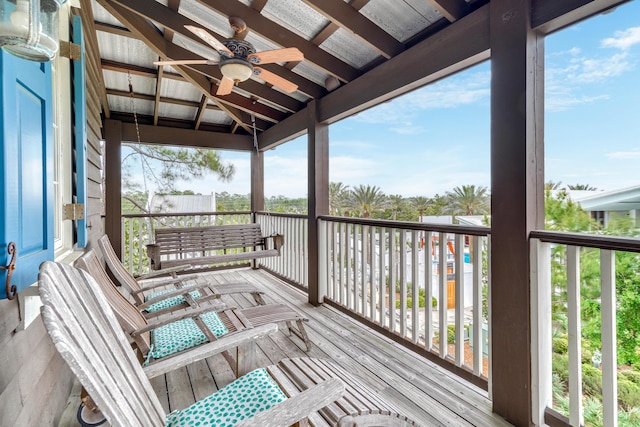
<point>212,41</point>
<point>289,54</point>
<point>225,86</point>
<point>275,80</point>
<point>187,62</point>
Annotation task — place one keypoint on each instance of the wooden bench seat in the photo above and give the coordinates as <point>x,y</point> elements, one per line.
<point>210,245</point>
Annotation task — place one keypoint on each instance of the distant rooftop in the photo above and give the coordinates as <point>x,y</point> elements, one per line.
<point>182,203</point>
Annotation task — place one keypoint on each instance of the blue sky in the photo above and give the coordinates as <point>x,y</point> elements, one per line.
<point>436,138</point>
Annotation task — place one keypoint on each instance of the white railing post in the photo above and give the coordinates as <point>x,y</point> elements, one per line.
<point>609,362</point>
<point>575,334</point>
<point>478,340</point>
<point>540,280</point>
<point>323,265</point>
<point>443,303</point>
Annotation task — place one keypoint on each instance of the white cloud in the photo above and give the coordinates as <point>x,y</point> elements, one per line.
<point>600,69</point>
<point>563,102</point>
<point>448,93</point>
<point>624,155</point>
<point>623,39</point>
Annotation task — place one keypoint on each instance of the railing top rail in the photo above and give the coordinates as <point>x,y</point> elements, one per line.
<point>440,228</point>
<point>283,214</point>
<point>599,241</point>
<point>157,215</point>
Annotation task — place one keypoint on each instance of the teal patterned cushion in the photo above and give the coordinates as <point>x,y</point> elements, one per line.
<point>245,397</point>
<point>184,334</point>
<point>169,302</point>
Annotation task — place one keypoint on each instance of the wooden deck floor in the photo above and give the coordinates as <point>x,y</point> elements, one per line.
<point>420,389</point>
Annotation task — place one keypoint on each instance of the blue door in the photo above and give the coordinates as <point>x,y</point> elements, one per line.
<point>26,162</point>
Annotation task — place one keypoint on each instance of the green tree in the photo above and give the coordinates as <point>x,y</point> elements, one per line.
<point>584,187</point>
<point>164,166</point>
<point>395,202</point>
<point>421,204</point>
<point>338,197</point>
<point>468,200</point>
<point>367,199</point>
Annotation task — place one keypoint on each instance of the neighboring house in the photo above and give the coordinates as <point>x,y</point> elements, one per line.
<point>605,206</point>
<point>182,203</point>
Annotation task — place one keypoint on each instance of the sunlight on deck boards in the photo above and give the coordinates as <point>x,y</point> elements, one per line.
<point>425,392</point>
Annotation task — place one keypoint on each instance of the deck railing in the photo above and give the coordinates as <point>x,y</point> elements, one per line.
<point>138,231</point>
<point>559,288</point>
<point>415,283</point>
<point>293,262</point>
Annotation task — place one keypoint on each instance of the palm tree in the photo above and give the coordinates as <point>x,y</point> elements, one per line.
<point>420,203</point>
<point>338,195</point>
<point>468,200</point>
<point>395,203</point>
<point>585,187</point>
<point>367,199</point>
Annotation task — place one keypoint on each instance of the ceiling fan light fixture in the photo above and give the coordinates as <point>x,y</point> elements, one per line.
<point>237,70</point>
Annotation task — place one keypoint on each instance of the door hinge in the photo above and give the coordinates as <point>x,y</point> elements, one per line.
<point>70,50</point>
<point>73,211</point>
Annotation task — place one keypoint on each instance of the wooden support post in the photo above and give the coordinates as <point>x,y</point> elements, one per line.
<point>517,199</point>
<point>113,183</point>
<point>318,184</point>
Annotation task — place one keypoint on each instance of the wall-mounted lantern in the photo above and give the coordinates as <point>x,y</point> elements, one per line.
<point>29,28</point>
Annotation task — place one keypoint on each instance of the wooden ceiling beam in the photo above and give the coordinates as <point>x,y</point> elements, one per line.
<point>149,35</point>
<point>284,37</point>
<point>156,102</point>
<point>165,100</point>
<point>170,19</point>
<point>460,45</point>
<point>343,14</point>
<point>236,106</point>
<point>114,29</point>
<point>201,109</point>
<point>93,51</point>
<point>159,135</point>
<point>548,16</point>
<point>452,10</point>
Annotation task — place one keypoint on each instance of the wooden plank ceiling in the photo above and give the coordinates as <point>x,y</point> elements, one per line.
<point>340,41</point>
<point>356,44</point>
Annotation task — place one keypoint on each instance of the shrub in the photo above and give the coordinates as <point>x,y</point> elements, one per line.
<point>560,366</point>
<point>628,394</point>
<point>630,375</point>
<point>586,356</point>
<point>560,344</point>
<point>591,381</point>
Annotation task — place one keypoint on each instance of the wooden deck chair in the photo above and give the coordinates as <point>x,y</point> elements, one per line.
<point>86,333</point>
<point>198,324</point>
<point>144,288</point>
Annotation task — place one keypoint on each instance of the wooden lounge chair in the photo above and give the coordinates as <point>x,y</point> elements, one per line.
<point>144,288</point>
<point>223,320</point>
<point>86,333</point>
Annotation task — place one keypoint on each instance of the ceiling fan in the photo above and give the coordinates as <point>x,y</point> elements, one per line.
<point>239,59</point>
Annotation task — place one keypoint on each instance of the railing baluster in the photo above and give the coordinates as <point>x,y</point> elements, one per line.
<point>442,295</point>
<point>382,286</point>
<point>428,290</point>
<point>373,296</point>
<point>363,270</point>
<point>392,279</point>
<point>459,308</point>
<point>415,279</point>
<point>403,282</point>
<point>478,340</point>
<point>574,332</point>
<point>609,362</point>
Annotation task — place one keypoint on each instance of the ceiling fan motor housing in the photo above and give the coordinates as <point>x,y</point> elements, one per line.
<point>239,48</point>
